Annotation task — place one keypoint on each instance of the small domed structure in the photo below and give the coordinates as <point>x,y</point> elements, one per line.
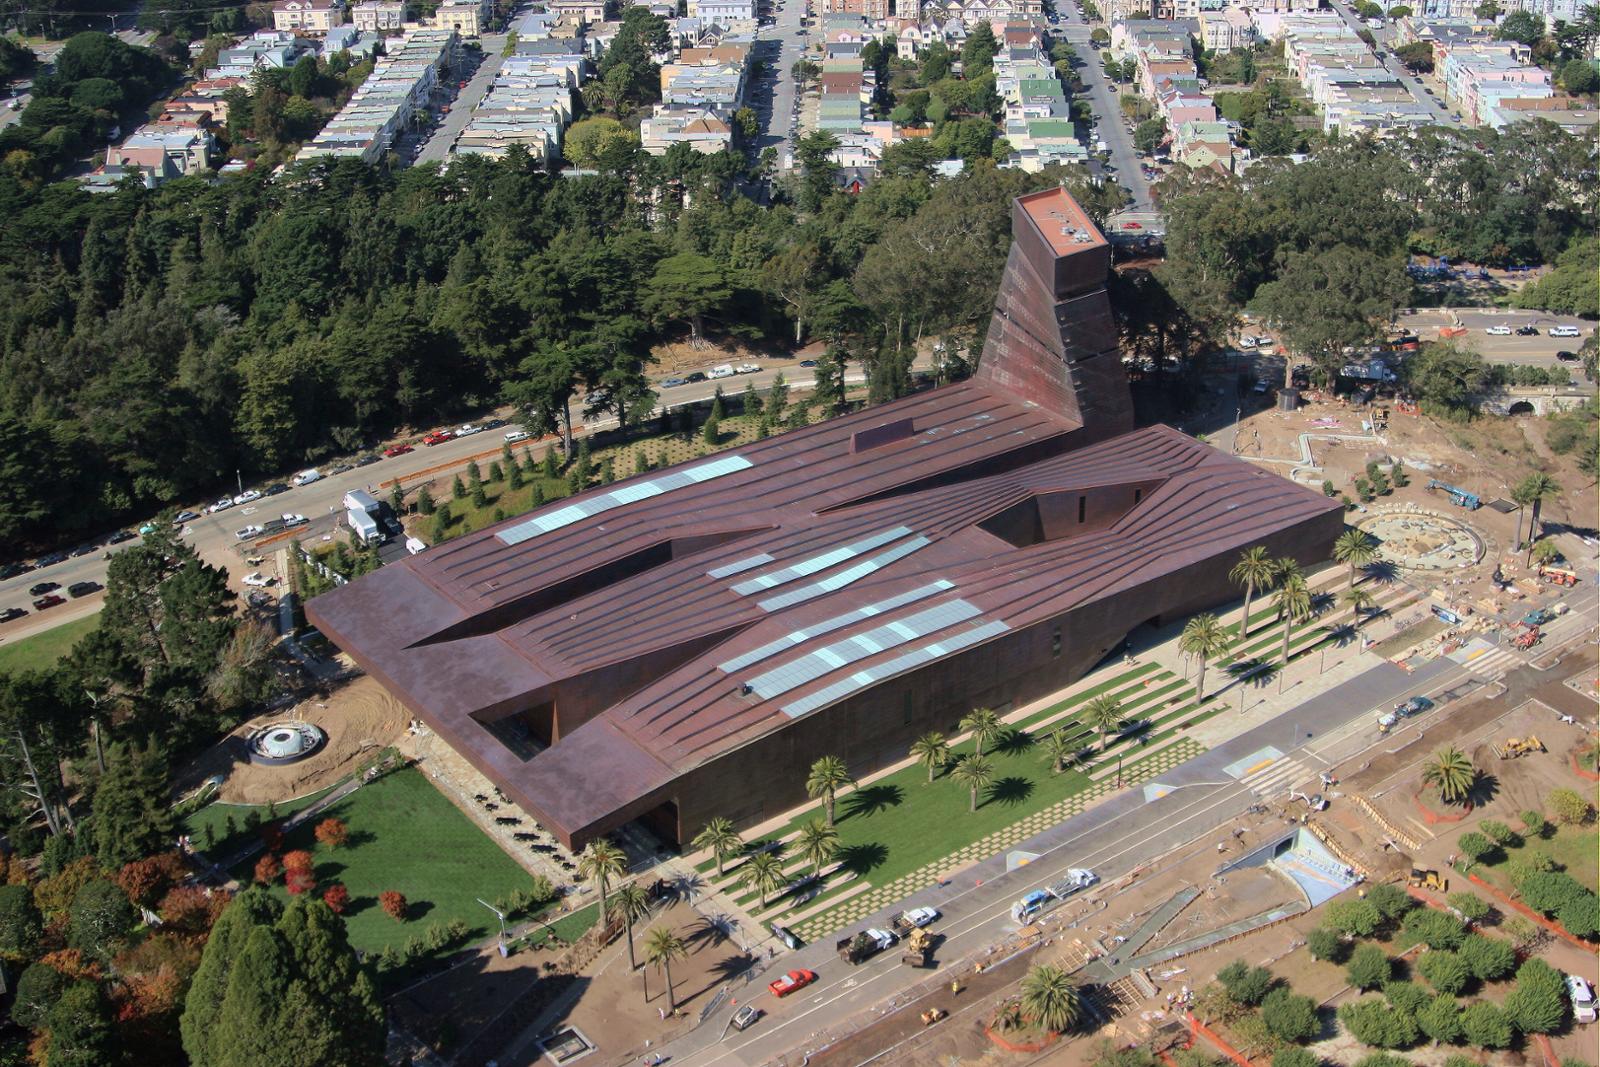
<point>279,743</point>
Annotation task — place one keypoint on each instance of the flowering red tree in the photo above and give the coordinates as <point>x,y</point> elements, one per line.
<point>332,833</point>
<point>393,902</point>
<point>268,868</point>
<point>336,898</point>
<point>298,881</point>
<point>299,860</point>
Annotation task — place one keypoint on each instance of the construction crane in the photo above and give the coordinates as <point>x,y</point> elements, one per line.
<point>1459,497</point>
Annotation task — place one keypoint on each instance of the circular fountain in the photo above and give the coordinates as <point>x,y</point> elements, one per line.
<point>1418,539</point>
<point>280,743</point>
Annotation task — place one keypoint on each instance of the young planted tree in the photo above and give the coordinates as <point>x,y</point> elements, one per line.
<point>984,726</point>
<point>633,904</point>
<point>1355,549</point>
<point>602,861</point>
<point>1050,999</point>
<point>662,948</point>
<point>1203,637</point>
<point>763,872</point>
<point>1359,600</point>
<point>818,843</point>
<point>1256,571</point>
<point>1451,772</point>
<point>932,751</point>
<point>975,772</point>
<point>1103,714</point>
<point>1293,601</point>
<point>828,775</point>
<point>721,839</point>
<point>1058,749</point>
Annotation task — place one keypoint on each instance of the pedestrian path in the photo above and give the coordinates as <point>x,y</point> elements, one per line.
<point>1269,771</point>
<point>1486,660</point>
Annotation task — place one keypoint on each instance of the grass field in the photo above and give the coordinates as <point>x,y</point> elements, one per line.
<point>405,836</point>
<point>216,817</point>
<point>46,648</point>
<point>1570,847</point>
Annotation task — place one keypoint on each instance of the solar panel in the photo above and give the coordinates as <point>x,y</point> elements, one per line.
<point>813,564</point>
<point>616,498</point>
<point>866,611</point>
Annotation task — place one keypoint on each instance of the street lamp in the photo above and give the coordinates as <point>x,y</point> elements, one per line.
<point>502,917</point>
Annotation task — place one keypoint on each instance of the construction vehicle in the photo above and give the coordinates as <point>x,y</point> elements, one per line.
<point>1527,637</point>
<point>864,945</point>
<point>933,1015</point>
<point>1518,746</point>
<point>1558,575</point>
<point>1459,497</point>
<point>919,948</point>
<point>1538,617</point>
<point>1043,899</point>
<point>1423,878</point>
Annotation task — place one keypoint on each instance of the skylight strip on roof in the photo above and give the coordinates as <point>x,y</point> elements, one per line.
<point>730,569</point>
<point>826,660</point>
<point>835,582</point>
<point>616,498</point>
<point>820,562</point>
<point>866,611</point>
<point>899,665</point>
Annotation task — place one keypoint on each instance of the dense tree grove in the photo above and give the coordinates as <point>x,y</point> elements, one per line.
<point>1319,248</point>
<point>153,342</point>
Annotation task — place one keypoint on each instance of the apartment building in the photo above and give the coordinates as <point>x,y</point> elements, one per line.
<point>393,96</point>
<point>307,16</point>
<point>378,16</point>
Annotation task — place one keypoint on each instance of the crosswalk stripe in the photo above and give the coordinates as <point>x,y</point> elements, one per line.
<point>1494,664</point>
<point>1281,774</point>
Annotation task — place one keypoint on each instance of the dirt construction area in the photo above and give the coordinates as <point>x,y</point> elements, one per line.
<point>359,718</point>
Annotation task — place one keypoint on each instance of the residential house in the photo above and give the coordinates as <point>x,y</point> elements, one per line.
<point>1225,30</point>
<point>163,151</point>
<point>378,16</point>
<point>307,16</point>
<point>469,18</point>
<point>582,12</point>
<point>701,128</point>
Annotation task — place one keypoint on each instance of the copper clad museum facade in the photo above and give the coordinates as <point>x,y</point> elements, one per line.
<point>683,644</point>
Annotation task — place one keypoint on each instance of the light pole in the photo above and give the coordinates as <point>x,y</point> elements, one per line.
<point>501,916</point>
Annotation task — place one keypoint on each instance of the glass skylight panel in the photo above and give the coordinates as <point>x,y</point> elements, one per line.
<point>834,582</point>
<point>823,561</point>
<point>738,566</point>
<point>899,665</point>
<point>616,498</point>
<point>795,637</point>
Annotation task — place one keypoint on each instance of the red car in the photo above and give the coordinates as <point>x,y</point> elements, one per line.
<point>438,437</point>
<point>398,450</point>
<point>48,602</point>
<point>782,987</point>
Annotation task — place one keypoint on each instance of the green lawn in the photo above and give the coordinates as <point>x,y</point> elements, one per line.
<point>216,816</point>
<point>1571,847</point>
<point>405,836</point>
<point>45,648</point>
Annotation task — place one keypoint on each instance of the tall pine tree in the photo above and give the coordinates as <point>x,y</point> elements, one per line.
<point>131,816</point>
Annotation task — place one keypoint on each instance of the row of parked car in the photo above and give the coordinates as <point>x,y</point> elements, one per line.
<point>46,598</point>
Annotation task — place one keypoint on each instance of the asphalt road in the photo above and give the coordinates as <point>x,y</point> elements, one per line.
<point>1112,839</point>
<point>1107,111</point>
<point>442,139</point>
<point>1537,351</point>
<point>1413,84</point>
<point>213,535</point>
<point>782,45</point>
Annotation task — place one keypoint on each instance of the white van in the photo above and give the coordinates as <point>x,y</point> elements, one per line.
<point>1583,1008</point>
<point>724,371</point>
<point>307,477</point>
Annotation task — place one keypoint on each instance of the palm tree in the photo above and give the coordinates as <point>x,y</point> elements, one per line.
<point>1255,571</point>
<point>602,861</point>
<point>1203,637</point>
<point>721,838</point>
<point>828,776</point>
<point>1058,748</point>
<point>1356,549</point>
<point>763,872</point>
<point>975,772</point>
<point>818,843</point>
<point>984,725</point>
<point>661,947</point>
<point>932,751</point>
<point>1534,490</point>
<point>1286,569</point>
<point>1451,773</point>
<point>633,904</point>
<point>1102,713</point>
<point>1293,601</point>
<point>1050,999</point>
<point>1359,600</point>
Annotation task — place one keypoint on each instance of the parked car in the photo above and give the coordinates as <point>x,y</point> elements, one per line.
<point>1583,1006</point>
<point>78,589</point>
<point>1564,331</point>
<point>746,368</point>
<point>397,450</point>
<point>1530,330</point>
<point>222,505</point>
<point>369,459</point>
<point>513,436</point>
<point>12,613</point>
<point>695,376</point>
<point>185,516</point>
<point>1567,357</point>
<point>278,487</point>
<point>673,383</point>
<point>808,363</point>
<point>51,559</point>
<point>921,916</point>
<point>494,424</point>
<point>50,601</point>
<point>291,519</point>
<point>249,496</point>
<point>246,533</point>
<point>1498,331</point>
<point>746,1016</point>
<point>12,570</point>
<point>42,588</point>
<point>84,549</point>
<point>468,430</point>
<point>796,979</point>
<point>128,535</point>
<point>257,579</point>
<point>438,437</point>
<point>340,468</point>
